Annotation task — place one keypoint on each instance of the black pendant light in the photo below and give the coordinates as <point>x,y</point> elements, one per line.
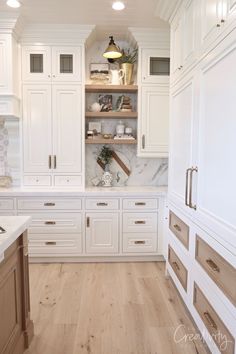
<point>113,51</point>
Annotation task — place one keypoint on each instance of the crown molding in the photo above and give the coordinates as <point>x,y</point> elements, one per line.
<point>11,23</point>
<point>158,37</point>
<point>56,33</point>
<point>167,9</point>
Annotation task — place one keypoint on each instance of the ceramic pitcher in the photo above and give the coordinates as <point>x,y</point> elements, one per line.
<point>116,76</point>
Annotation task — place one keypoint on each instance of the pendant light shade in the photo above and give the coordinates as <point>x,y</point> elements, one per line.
<point>112,51</point>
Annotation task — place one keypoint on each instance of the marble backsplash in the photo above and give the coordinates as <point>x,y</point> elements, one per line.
<point>144,171</point>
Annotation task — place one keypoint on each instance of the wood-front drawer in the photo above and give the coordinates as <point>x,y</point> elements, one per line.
<point>102,204</point>
<point>6,204</point>
<point>49,204</point>
<point>49,223</point>
<point>179,229</point>
<point>140,222</point>
<point>217,329</point>
<point>223,273</point>
<point>69,181</point>
<point>144,243</point>
<point>54,245</point>
<point>42,181</point>
<point>140,204</point>
<point>178,267</point>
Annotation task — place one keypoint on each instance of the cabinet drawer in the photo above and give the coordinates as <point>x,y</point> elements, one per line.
<point>140,222</point>
<point>73,181</point>
<point>145,243</point>
<point>223,273</point>
<point>140,204</point>
<point>179,229</point>
<point>49,204</point>
<point>102,204</point>
<point>6,204</point>
<point>213,322</point>
<point>178,267</point>
<point>47,223</point>
<point>42,181</point>
<point>54,245</point>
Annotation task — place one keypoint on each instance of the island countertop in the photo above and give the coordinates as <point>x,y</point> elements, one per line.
<point>14,226</point>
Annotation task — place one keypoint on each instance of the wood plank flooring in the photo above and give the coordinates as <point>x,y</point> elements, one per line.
<point>108,308</point>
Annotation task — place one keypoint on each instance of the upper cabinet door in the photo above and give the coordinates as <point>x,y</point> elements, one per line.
<point>66,64</point>
<point>155,66</point>
<point>37,128</point>
<point>177,48</point>
<point>154,124</point>
<point>36,63</point>
<point>189,33</point>
<point>67,125</point>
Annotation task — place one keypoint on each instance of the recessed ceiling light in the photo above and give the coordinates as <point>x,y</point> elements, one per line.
<point>118,5</point>
<point>13,3</point>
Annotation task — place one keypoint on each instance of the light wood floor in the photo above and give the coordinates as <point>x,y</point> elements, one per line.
<point>118,308</point>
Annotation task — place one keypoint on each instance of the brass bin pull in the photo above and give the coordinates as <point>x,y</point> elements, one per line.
<point>49,204</point>
<point>191,205</point>
<point>177,227</point>
<point>50,243</point>
<point>213,265</point>
<point>50,223</point>
<point>140,222</point>
<point>55,161</point>
<point>139,242</point>
<point>50,162</point>
<point>102,204</point>
<point>143,142</point>
<point>88,221</point>
<point>187,187</point>
<point>175,264</point>
<point>140,203</point>
<point>210,320</point>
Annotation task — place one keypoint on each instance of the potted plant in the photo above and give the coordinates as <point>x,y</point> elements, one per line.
<point>105,157</point>
<point>129,57</point>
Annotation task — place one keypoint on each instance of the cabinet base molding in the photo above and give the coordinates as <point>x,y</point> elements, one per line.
<point>97,259</point>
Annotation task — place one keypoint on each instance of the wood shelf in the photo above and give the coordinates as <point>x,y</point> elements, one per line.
<point>110,141</point>
<point>122,115</point>
<point>111,88</point>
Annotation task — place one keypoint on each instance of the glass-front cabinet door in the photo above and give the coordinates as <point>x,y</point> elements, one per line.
<point>36,63</point>
<point>155,65</point>
<point>66,64</point>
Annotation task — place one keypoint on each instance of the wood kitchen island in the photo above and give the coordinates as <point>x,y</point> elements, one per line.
<point>16,328</point>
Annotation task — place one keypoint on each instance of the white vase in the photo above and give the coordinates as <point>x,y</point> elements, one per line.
<point>107,177</point>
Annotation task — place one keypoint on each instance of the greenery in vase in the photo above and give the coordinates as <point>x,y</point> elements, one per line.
<point>105,155</point>
<point>128,56</point>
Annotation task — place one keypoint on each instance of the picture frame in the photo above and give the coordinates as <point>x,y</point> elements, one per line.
<point>99,71</point>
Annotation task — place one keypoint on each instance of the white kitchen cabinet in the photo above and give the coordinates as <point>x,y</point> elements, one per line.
<point>102,233</point>
<point>176,48</point>
<point>51,64</point>
<point>155,67</point>
<point>154,121</point>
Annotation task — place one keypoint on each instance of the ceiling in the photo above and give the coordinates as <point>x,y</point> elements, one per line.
<point>138,13</point>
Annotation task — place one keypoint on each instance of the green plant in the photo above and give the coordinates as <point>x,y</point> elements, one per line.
<point>105,155</point>
<point>128,56</point>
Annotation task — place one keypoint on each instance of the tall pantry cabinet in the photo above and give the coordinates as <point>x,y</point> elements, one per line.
<point>202,193</point>
<point>52,115</point>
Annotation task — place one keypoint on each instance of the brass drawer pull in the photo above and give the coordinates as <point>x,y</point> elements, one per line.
<point>175,264</point>
<point>210,320</point>
<point>88,221</point>
<point>49,204</point>
<point>50,243</point>
<point>102,204</point>
<point>140,222</point>
<point>50,223</point>
<point>177,227</point>
<point>213,265</point>
<point>139,242</point>
<point>140,203</point>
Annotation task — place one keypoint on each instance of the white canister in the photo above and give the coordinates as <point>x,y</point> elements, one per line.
<point>120,128</point>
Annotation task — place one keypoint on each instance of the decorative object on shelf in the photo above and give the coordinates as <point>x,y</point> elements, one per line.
<point>95,107</point>
<point>127,64</point>
<point>5,179</point>
<point>107,136</point>
<point>123,104</point>
<point>105,157</point>
<point>128,131</point>
<point>106,102</point>
<point>116,77</point>
<point>120,128</point>
<point>89,134</point>
<point>99,72</point>
<point>95,126</point>
<point>112,52</point>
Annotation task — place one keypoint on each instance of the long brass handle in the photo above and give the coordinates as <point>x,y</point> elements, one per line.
<point>140,203</point>
<point>55,161</point>
<point>139,222</point>
<point>143,141</point>
<point>50,243</point>
<point>88,221</point>
<point>213,265</point>
<point>139,242</point>
<point>175,264</point>
<point>177,227</point>
<point>191,205</point>
<point>210,320</point>
<point>50,223</point>
<point>49,204</point>
<point>102,204</point>
<point>50,162</point>
<point>187,186</point>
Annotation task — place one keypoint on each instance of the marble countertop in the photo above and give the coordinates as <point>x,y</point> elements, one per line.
<point>90,191</point>
<point>14,226</point>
